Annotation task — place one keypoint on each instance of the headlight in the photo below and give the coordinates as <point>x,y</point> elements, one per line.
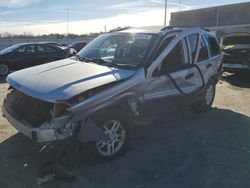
<point>74,100</point>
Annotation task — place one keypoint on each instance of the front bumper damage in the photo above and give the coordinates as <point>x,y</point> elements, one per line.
<point>59,128</point>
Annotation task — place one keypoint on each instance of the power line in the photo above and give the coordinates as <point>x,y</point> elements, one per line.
<point>67,21</point>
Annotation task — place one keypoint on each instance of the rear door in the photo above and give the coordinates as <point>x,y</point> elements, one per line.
<point>208,58</point>
<point>42,55</point>
<point>53,53</point>
<point>171,83</point>
<point>31,56</point>
<point>48,53</point>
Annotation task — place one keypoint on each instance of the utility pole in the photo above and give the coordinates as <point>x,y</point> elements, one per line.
<point>165,17</point>
<point>180,6</point>
<point>67,21</point>
<point>218,17</point>
<point>105,29</point>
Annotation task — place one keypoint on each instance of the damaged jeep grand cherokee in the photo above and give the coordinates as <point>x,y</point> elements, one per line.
<point>135,73</point>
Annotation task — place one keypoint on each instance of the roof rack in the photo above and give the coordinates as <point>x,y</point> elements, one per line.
<point>167,27</point>
<point>204,28</point>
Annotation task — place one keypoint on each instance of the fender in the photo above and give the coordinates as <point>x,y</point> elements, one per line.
<point>125,91</point>
<point>89,131</point>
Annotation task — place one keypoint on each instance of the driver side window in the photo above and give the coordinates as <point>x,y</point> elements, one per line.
<point>174,60</point>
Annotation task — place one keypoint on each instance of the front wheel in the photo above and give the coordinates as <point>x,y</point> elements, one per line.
<point>207,98</point>
<point>4,69</point>
<point>115,126</point>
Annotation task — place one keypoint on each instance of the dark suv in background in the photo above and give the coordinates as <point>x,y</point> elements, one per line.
<point>236,48</point>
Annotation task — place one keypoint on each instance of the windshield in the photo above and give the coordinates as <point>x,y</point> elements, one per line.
<point>118,49</point>
<point>9,49</point>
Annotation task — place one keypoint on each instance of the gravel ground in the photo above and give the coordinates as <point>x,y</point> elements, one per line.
<point>183,149</point>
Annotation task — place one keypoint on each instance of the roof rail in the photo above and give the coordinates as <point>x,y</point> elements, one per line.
<point>204,28</point>
<point>167,27</point>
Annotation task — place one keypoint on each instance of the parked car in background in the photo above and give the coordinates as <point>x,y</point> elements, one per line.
<point>78,45</point>
<point>116,78</point>
<point>65,47</point>
<point>26,55</point>
<point>236,48</point>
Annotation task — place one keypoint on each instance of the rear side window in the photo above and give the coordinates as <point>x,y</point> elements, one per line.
<point>213,45</point>
<point>50,49</point>
<point>193,41</point>
<point>31,48</point>
<point>203,54</point>
<point>40,48</point>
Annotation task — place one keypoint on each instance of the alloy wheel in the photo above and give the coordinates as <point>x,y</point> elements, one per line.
<point>116,138</point>
<point>4,69</point>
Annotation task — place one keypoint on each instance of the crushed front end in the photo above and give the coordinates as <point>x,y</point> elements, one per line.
<point>39,120</point>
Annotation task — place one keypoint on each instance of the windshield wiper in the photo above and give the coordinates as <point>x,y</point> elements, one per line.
<point>83,58</point>
<point>95,60</point>
<point>101,61</point>
<point>124,65</point>
<point>116,64</point>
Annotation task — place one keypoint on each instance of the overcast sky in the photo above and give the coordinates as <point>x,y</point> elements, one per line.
<point>49,16</point>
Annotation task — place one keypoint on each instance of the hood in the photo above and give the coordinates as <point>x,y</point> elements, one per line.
<point>64,79</point>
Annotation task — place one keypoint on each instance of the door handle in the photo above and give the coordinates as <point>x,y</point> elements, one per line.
<point>188,76</point>
<point>208,65</point>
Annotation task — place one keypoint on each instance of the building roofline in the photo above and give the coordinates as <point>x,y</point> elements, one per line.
<point>212,7</point>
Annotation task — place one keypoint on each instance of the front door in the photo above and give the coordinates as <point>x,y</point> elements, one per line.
<point>172,83</point>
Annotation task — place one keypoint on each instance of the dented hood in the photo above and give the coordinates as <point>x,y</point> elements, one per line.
<point>64,79</point>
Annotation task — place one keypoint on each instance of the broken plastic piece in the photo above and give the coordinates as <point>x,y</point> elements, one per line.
<point>55,171</point>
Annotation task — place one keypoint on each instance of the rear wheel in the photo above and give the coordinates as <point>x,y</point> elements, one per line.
<point>4,69</point>
<point>115,126</point>
<point>207,98</point>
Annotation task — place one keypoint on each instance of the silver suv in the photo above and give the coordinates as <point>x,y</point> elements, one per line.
<point>117,77</point>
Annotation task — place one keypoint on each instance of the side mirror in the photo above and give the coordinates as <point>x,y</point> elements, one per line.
<point>72,52</point>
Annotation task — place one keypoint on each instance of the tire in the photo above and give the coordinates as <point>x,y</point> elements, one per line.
<point>4,69</point>
<point>207,98</point>
<point>118,143</point>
